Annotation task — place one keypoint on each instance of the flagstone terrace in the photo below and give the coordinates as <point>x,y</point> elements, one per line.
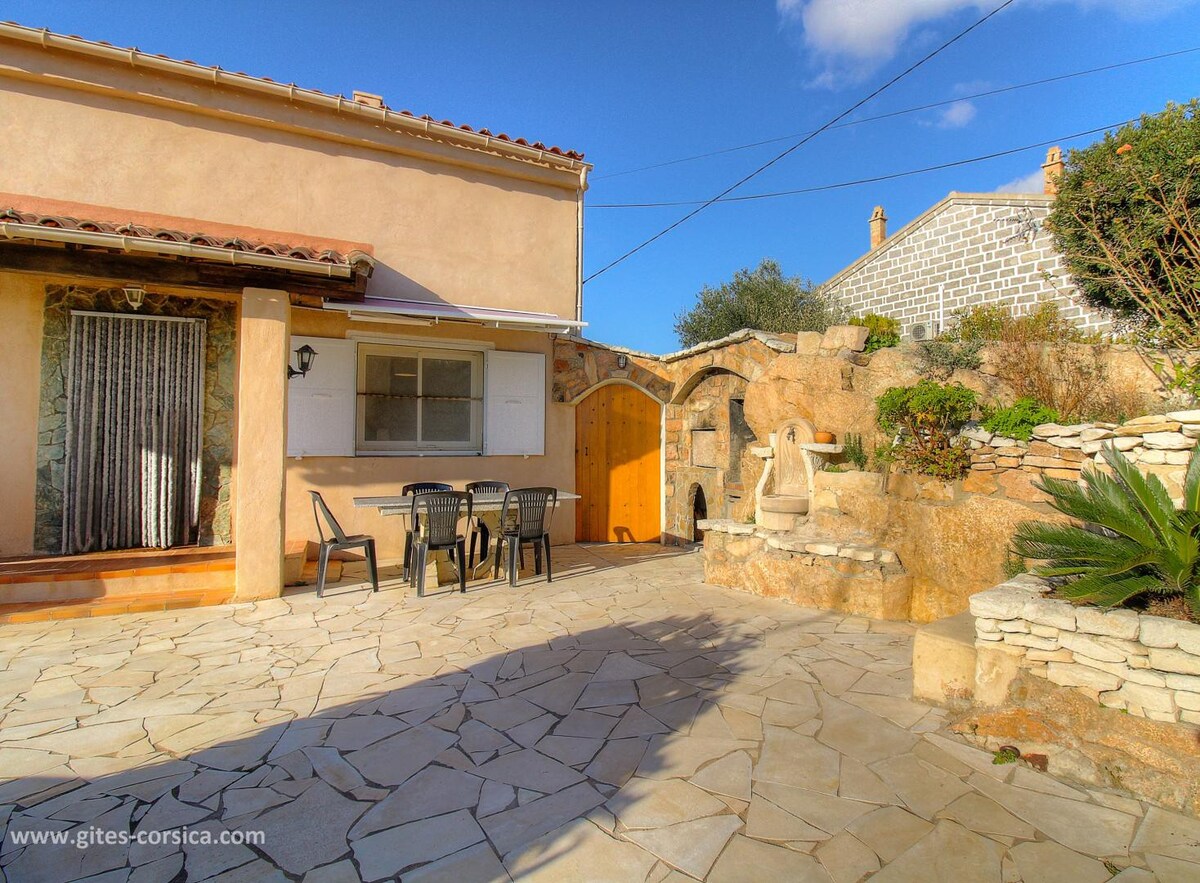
<point>626,722</point>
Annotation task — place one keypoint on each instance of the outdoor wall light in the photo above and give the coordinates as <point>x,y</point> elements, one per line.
<point>622,361</point>
<point>305,356</point>
<point>135,295</point>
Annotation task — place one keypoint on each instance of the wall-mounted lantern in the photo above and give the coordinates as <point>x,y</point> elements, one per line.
<point>135,295</point>
<point>305,356</point>
<point>622,361</point>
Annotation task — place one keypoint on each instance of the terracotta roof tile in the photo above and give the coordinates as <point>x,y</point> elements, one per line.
<point>358,260</point>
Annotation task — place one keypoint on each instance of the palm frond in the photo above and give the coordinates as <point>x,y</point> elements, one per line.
<point>1107,591</point>
<point>1191,482</point>
<point>1147,491</point>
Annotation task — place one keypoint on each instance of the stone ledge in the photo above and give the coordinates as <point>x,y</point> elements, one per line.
<point>1145,665</point>
<point>808,570</point>
<point>800,542</point>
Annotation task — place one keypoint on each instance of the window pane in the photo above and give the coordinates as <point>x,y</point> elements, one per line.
<point>447,377</point>
<point>388,419</point>
<point>391,375</point>
<point>446,421</point>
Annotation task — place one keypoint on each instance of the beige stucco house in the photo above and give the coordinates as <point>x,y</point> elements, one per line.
<point>427,264</point>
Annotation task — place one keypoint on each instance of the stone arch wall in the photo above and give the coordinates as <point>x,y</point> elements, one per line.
<point>697,454</point>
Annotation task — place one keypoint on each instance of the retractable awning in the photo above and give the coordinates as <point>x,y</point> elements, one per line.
<point>419,312</point>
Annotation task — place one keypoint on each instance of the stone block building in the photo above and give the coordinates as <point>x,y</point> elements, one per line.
<point>967,249</point>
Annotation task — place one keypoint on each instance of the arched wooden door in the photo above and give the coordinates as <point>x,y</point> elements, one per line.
<point>617,466</point>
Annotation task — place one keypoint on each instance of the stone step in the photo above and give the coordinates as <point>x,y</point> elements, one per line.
<point>802,542</point>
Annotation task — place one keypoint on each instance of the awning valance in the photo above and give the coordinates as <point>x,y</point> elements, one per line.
<point>417,312</point>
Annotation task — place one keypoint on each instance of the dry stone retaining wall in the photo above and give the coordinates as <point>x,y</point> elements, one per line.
<point>1145,665</point>
<point>1158,444</point>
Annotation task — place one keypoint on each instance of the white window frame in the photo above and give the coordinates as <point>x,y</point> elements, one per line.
<point>421,352</point>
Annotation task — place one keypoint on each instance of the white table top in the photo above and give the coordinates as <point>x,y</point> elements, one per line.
<point>399,504</point>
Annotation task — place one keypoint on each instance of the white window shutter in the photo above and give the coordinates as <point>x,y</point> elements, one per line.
<point>321,403</point>
<point>514,413</point>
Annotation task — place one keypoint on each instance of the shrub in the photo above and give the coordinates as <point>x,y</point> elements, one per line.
<point>882,331</point>
<point>925,419</point>
<point>852,447</point>
<point>940,358</point>
<point>1019,418</point>
<point>1129,541</point>
<point>1126,223</point>
<point>1041,355</point>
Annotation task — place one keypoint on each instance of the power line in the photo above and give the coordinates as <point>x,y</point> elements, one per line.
<point>908,110</point>
<point>661,233</point>
<point>889,177</point>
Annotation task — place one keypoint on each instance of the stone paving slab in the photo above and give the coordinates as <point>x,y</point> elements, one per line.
<point>625,722</point>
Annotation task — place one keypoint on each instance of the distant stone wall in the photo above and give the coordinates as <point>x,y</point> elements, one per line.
<point>1159,444</point>
<point>220,381</point>
<point>969,249</point>
<point>1147,666</point>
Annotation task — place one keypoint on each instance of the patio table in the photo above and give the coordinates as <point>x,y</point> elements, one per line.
<point>485,504</point>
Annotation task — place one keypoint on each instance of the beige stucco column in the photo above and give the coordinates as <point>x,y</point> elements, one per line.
<point>263,339</point>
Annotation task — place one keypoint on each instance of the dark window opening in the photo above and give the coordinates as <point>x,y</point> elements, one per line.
<point>740,435</point>
<point>699,513</point>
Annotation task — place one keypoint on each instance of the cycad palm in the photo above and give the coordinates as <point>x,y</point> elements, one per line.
<point>1131,539</point>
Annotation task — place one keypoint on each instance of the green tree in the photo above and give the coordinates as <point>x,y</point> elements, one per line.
<point>1127,222</point>
<point>762,299</point>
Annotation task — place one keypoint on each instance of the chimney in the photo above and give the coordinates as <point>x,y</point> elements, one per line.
<point>878,227</point>
<point>1052,170</point>
<point>368,99</point>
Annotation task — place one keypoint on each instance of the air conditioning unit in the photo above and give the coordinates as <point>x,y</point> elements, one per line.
<point>920,331</point>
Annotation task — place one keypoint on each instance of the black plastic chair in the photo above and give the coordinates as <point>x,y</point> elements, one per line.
<point>479,528</point>
<point>420,487</point>
<point>439,513</point>
<point>338,542</point>
<point>532,525</point>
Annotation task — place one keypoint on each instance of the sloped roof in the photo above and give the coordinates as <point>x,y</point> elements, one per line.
<point>290,91</point>
<point>954,198</point>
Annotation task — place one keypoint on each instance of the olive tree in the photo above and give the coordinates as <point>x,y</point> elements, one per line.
<point>762,299</point>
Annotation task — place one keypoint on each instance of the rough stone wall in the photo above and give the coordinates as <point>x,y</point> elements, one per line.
<point>1147,666</point>
<point>952,543</point>
<point>1159,444</point>
<point>851,578</point>
<point>969,249</point>
<point>219,389</point>
<point>706,462</point>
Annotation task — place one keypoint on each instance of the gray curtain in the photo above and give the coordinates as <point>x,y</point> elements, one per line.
<point>135,408</point>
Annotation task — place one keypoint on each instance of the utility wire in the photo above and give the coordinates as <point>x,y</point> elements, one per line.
<point>889,177</point>
<point>908,110</point>
<point>845,113</point>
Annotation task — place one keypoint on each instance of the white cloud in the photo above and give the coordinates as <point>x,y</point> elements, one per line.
<point>956,115</point>
<point>851,38</point>
<point>1031,183</point>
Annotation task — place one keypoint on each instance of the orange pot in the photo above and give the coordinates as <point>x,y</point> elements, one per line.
<point>823,438</point>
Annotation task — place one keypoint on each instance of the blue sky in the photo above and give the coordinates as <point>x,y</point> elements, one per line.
<point>633,83</point>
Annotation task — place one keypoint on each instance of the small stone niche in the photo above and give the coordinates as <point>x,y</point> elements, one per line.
<point>704,449</point>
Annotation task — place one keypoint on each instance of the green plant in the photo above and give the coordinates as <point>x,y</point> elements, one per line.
<point>1126,222</point>
<point>1044,356</point>
<point>1005,754</point>
<point>834,467</point>
<point>939,358</point>
<point>925,419</point>
<point>882,331</point>
<point>852,447</point>
<point>763,299</point>
<point>1019,418</point>
<point>1130,539</point>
